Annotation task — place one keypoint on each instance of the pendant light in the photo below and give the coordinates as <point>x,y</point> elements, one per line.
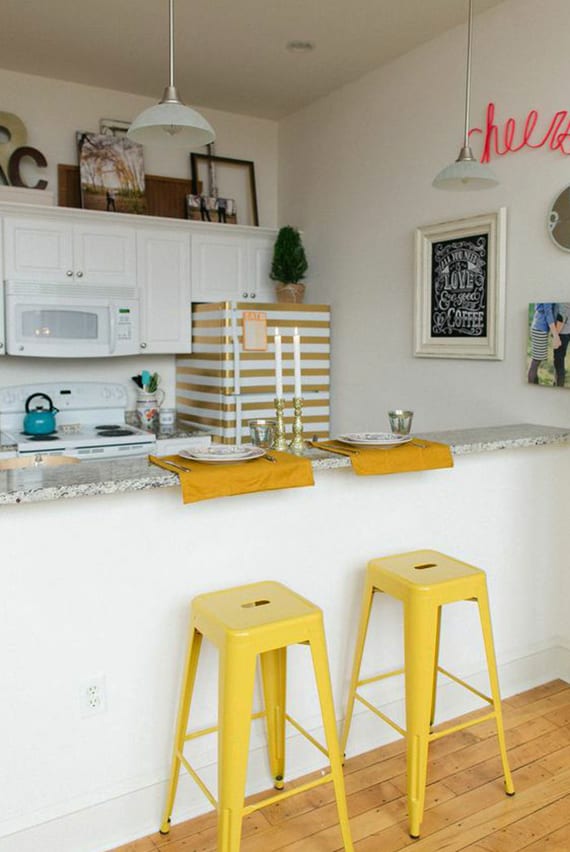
<point>466,172</point>
<point>170,121</point>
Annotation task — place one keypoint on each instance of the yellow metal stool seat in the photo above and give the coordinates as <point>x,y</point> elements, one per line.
<point>244,622</point>
<point>425,580</point>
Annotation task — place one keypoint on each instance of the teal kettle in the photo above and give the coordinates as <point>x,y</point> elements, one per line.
<point>40,420</point>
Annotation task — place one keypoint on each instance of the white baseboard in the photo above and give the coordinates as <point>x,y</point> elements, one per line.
<point>126,815</point>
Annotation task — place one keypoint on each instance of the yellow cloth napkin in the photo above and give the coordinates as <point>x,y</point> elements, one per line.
<point>205,481</point>
<point>424,455</point>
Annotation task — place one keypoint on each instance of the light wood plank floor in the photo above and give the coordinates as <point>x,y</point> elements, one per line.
<point>466,808</point>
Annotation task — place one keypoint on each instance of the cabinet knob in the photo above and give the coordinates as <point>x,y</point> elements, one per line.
<point>252,295</point>
<point>1,346</point>
<point>143,345</point>
<point>79,274</point>
<point>20,348</point>
<point>69,273</point>
<point>244,295</point>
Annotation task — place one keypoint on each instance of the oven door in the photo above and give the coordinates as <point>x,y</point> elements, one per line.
<point>58,327</point>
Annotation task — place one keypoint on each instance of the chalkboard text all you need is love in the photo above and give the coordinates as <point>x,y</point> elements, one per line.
<point>459,286</point>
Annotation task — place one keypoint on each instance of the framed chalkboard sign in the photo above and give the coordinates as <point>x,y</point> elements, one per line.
<point>460,288</point>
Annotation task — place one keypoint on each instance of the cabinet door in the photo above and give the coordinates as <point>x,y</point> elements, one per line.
<point>260,256</point>
<point>165,291</point>
<point>104,254</point>
<point>38,250</point>
<point>219,268</point>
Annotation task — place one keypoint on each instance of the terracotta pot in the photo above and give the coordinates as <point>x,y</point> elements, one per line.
<point>290,293</point>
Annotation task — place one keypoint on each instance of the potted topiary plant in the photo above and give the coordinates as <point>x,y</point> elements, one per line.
<point>289,265</point>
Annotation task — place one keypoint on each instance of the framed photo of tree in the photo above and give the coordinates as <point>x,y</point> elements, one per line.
<point>111,172</point>
<point>460,288</point>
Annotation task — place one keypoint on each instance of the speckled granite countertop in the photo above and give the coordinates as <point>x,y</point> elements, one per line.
<point>37,484</point>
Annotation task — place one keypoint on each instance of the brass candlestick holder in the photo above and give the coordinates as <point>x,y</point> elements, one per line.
<point>280,442</point>
<point>297,445</point>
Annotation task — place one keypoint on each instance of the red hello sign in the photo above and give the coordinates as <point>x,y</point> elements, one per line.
<point>510,138</point>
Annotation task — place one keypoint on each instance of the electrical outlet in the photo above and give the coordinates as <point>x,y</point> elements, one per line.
<point>93,696</point>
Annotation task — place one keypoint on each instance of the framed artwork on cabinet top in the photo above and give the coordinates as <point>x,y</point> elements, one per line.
<point>111,173</point>
<point>460,288</point>
<point>227,180</point>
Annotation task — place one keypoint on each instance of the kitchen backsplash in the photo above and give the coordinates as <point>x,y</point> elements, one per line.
<point>18,371</point>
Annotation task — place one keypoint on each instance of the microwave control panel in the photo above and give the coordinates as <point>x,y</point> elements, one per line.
<point>124,324</point>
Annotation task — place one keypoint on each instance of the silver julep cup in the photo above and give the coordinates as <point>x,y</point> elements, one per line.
<point>262,432</point>
<point>400,421</point>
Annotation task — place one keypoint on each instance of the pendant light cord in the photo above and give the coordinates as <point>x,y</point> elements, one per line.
<point>467,75</point>
<point>171,42</point>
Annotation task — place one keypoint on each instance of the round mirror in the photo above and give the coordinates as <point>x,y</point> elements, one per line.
<point>559,220</point>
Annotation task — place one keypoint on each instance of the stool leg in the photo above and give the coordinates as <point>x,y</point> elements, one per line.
<point>485,616</point>
<point>420,635</point>
<point>434,691</point>
<point>188,680</point>
<point>322,677</point>
<point>366,607</point>
<point>274,676</point>
<point>236,682</point>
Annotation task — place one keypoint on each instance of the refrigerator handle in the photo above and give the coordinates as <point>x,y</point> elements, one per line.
<point>235,344</point>
<point>238,421</point>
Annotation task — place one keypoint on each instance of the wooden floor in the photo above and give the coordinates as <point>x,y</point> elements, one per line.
<point>466,807</point>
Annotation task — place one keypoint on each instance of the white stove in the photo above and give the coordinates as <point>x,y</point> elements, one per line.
<point>90,423</point>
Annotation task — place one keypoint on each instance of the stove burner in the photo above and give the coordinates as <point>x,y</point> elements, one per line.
<point>113,426</point>
<point>115,432</point>
<point>40,437</point>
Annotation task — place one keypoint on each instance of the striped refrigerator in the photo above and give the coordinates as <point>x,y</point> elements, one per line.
<point>229,378</point>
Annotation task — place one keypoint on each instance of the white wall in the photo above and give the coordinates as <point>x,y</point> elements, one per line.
<point>355,174</point>
<point>53,110</point>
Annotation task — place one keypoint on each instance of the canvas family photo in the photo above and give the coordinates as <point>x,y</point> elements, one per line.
<point>548,339</point>
<point>111,170</point>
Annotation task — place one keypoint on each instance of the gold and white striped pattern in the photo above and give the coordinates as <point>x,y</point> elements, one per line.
<point>222,387</point>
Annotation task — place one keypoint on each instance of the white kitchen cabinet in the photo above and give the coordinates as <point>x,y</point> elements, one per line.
<point>163,263</point>
<point>228,266</point>
<point>57,251</point>
<point>260,257</point>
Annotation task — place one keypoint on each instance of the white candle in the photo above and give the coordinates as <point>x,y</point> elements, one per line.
<point>278,366</point>
<point>297,362</point>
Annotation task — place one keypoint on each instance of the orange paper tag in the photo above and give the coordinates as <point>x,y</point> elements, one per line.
<point>255,331</point>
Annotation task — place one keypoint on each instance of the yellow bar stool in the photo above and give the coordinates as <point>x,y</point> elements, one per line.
<point>244,622</point>
<point>425,580</point>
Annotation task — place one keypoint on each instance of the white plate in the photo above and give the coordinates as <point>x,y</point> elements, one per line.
<point>223,454</point>
<point>374,439</point>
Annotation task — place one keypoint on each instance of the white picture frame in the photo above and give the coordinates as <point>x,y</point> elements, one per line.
<point>460,272</point>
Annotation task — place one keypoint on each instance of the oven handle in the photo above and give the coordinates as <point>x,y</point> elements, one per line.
<point>113,329</point>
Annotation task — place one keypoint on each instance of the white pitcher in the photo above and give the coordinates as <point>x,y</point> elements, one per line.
<point>147,407</point>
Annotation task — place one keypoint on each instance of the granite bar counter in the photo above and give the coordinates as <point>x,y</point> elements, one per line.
<point>89,478</point>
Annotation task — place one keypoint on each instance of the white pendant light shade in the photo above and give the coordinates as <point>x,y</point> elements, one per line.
<point>466,172</point>
<point>171,122</point>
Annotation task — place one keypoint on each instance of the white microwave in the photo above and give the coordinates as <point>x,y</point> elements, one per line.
<point>70,321</point>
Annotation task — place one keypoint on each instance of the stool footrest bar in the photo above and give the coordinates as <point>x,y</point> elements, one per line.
<point>452,730</point>
<point>306,734</point>
<point>468,686</point>
<point>380,715</point>
<point>205,731</point>
<point>302,788</point>
<point>198,780</point>
<point>376,678</point>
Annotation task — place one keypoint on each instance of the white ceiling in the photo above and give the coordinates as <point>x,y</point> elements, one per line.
<point>230,53</point>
